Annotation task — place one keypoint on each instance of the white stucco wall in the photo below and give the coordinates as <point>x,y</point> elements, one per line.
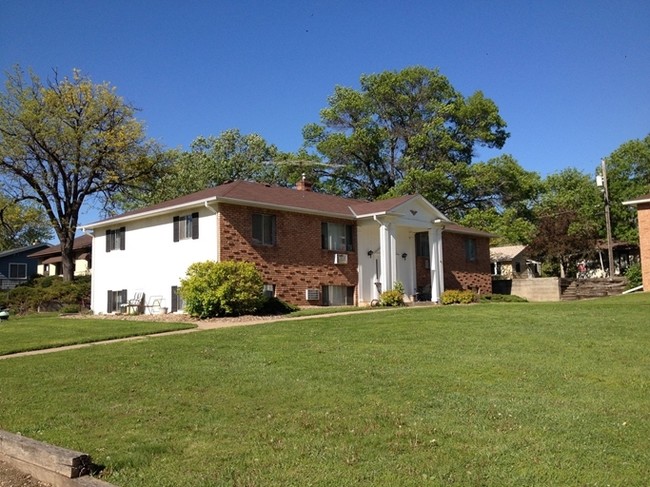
<point>151,262</point>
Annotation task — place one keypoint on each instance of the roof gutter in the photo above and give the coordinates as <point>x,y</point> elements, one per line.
<point>147,214</point>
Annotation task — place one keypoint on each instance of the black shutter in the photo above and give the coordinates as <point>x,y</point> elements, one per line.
<point>348,238</point>
<point>350,296</point>
<point>122,238</point>
<point>258,234</point>
<point>174,299</point>
<point>195,226</point>
<point>124,297</point>
<point>110,304</point>
<point>323,235</point>
<point>176,220</point>
<point>108,240</point>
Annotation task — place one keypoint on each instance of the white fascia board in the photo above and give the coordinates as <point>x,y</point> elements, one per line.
<point>204,202</point>
<point>394,212</point>
<point>636,202</point>
<point>147,214</point>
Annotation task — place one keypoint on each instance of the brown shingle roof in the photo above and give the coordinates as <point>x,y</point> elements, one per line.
<point>246,192</point>
<point>256,194</point>
<point>83,242</point>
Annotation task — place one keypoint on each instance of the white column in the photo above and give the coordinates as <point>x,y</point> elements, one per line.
<point>393,254</point>
<point>385,256</point>
<point>435,261</point>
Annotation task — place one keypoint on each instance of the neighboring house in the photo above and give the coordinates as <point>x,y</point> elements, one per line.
<point>513,262</point>
<point>311,248</point>
<point>16,265</point>
<point>49,259</point>
<point>642,205</point>
<point>624,253</point>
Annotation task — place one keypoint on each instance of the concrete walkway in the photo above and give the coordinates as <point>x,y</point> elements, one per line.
<point>202,325</point>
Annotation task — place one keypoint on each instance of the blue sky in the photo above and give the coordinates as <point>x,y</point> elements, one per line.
<point>571,78</point>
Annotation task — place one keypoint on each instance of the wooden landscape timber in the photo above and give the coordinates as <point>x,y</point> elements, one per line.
<point>59,467</point>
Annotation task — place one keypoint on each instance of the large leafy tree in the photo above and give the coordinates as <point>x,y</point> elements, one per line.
<point>399,122</point>
<point>22,224</point>
<point>212,161</point>
<point>628,177</point>
<point>457,189</point>
<point>67,142</point>
<point>568,219</point>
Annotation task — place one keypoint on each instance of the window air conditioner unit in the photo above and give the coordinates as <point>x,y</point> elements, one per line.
<point>340,258</point>
<point>312,294</point>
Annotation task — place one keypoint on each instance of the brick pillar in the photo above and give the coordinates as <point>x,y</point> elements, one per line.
<point>644,242</point>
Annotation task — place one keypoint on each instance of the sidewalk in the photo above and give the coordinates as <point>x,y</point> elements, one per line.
<point>201,325</point>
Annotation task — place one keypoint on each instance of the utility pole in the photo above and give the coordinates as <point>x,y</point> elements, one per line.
<point>602,182</point>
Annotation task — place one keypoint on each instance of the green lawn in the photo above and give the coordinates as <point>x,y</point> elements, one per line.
<point>48,330</point>
<point>525,394</point>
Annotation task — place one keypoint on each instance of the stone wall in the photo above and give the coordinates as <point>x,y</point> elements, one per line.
<point>556,289</point>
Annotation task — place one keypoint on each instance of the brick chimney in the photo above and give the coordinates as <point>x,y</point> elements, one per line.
<point>303,184</point>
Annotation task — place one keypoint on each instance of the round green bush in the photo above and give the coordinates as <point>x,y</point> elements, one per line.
<point>213,289</point>
<point>394,297</point>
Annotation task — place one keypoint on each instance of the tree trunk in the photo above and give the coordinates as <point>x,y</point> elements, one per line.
<point>67,257</point>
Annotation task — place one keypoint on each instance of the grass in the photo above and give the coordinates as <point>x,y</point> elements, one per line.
<point>322,310</point>
<point>512,394</point>
<point>48,330</point>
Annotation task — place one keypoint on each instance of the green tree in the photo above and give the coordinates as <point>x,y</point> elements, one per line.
<point>22,224</point>
<point>457,189</point>
<point>398,122</point>
<point>568,219</point>
<point>211,161</point>
<point>67,142</point>
<point>628,177</point>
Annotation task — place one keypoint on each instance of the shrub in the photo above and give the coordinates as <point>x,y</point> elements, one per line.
<point>70,308</point>
<point>394,297</point>
<point>214,289</point>
<point>502,298</point>
<point>634,275</point>
<point>49,293</point>
<point>457,296</point>
<point>275,306</point>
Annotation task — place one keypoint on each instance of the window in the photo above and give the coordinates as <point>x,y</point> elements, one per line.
<point>177,301</point>
<point>470,249</point>
<point>115,239</point>
<point>422,244</point>
<point>115,301</point>
<point>336,236</point>
<point>269,290</point>
<point>186,227</point>
<point>338,295</point>
<point>263,229</point>
<point>17,271</point>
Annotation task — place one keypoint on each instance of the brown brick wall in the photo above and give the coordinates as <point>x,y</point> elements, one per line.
<point>644,242</point>
<point>296,262</point>
<point>461,273</point>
